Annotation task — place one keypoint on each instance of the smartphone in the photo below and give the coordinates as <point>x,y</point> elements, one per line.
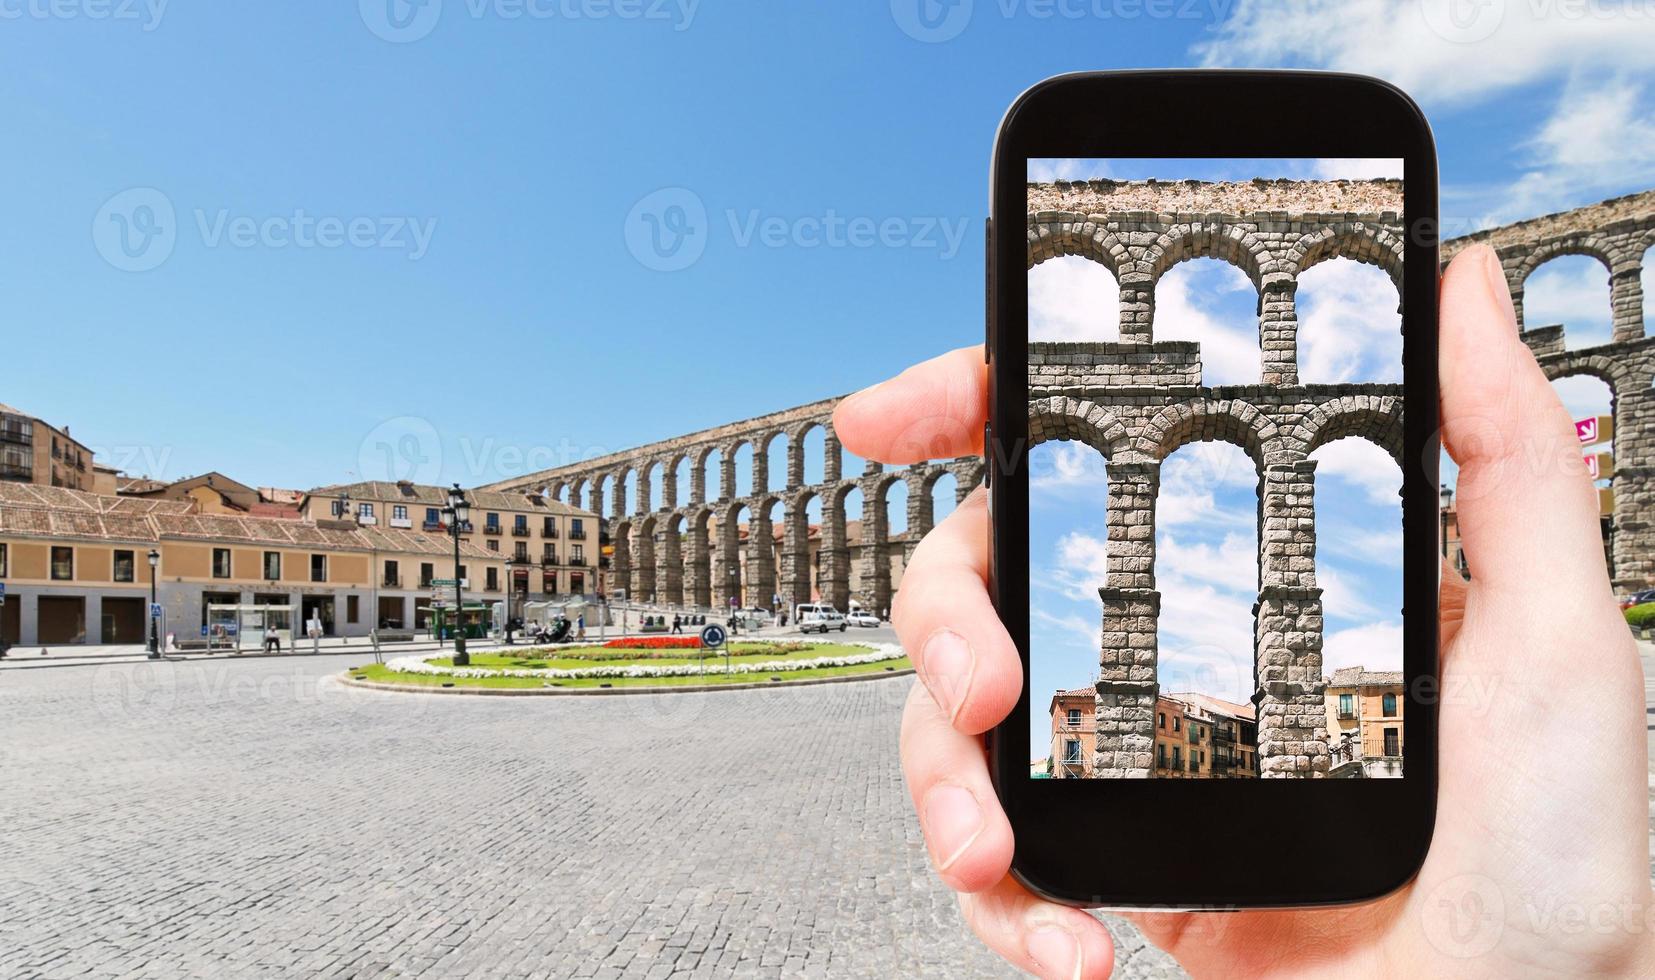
<point>1214,528</point>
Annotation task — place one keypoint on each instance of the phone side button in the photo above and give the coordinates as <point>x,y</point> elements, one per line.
<point>988,457</point>
<point>988,290</point>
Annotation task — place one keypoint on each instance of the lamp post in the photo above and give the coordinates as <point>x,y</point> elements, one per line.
<point>342,507</point>
<point>458,513</point>
<point>1445,500</point>
<point>154,627</point>
<point>512,564</point>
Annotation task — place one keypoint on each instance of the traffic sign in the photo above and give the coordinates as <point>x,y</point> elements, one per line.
<point>1599,428</point>
<point>445,581</point>
<point>712,636</point>
<point>1600,465</point>
<point>2,588</point>
<point>155,610</point>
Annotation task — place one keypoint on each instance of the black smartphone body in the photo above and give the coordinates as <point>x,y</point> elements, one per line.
<point>1211,293</point>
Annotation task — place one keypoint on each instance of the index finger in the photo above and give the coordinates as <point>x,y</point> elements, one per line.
<point>933,410</point>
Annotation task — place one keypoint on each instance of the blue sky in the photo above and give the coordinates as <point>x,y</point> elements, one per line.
<point>526,330</point>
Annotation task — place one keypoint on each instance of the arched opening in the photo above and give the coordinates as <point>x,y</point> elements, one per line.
<point>643,561</point>
<point>1571,291</point>
<point>813,451</point>
<point>712,475</point>
<point>1349,324</point>
<point>1646,280</point>
<point>1206,568</point>
<point>852,466</point>
<point>681,471</point>
<point>669,553</point>
<point>801,549</point>
<point>629,491</point>
<point>1073,298</point>
<point>700,548</point>
<point>1358,504</point>
<point>945,495</point>
<point>657,484</point>
<point>774,479</point>
<point>841,531</point>
<point>1212,302</point>
<point>603,501</point>
<point>744,469</point>
<point>1587,397</point>
<point>620,536</point>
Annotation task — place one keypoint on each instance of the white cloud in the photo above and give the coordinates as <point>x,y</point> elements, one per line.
<point>1584,396</point>
<point>1345,598</point>
<point>1375,646</point>
<point>1360,464</point>
<point>1358,168</point>
<point>1214,303</point>
<point>1380,544</point>
<point>1064,470</point>
<point>1046,171</point>
<point>1073,298</point>
<point>1349,326</point>
<point>1432,49</point>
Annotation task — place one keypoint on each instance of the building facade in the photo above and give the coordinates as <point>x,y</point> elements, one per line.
<point>1196,737</point>
<point>1364,721</point>
<point>76,570</point>
<point>553,547</point>
<point>34,451</point>
<point>1074,722</point>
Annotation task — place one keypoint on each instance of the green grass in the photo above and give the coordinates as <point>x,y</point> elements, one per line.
<point>379,673</point>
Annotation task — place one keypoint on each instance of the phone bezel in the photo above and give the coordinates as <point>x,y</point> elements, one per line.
<point>1215,844</point>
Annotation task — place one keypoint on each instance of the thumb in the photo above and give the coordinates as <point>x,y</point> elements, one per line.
<point>1526,502</point>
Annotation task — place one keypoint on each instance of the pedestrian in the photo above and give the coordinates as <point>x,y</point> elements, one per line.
<point>272,642</point>
<point>677,623</point>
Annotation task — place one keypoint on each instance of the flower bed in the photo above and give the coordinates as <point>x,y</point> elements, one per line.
<point>655,643</point>
<point>877,652</point>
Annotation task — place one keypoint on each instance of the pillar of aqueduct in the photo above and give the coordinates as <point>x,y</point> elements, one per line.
<point>1136,400</point>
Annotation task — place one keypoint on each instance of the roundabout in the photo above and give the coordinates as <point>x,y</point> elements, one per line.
<point>637,665</point>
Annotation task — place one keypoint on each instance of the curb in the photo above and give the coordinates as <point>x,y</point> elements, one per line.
<point>582,691</point>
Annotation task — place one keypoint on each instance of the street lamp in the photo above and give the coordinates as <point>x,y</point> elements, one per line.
<point>512,564</point>
<point>154,636</point>
<point>342,507</point>
<point>458,513</point>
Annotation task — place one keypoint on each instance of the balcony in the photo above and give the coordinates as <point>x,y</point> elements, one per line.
<point>402,522</point>
<point>16,471</point>
<point>577,534</point>
<point>391,582</point>
<point>578,561</point>
<point>1345,715</point>
<point>366,520</point>
<point>17,435</point>
<point>433,526</point>
<point>548,560</point>
<point>603,562</point>
<point>520,532</point>
<point>491,529</point>
<point>549,531</point>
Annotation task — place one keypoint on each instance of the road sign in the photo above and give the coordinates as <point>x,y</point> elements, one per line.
<point>445,581</point>
<point>155,610</point>
<point>1600,465</point>
<point>712,636</point>
<point>1599,428</point>
<point>2,588</point>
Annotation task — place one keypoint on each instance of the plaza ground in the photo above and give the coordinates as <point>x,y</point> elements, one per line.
<point>225,819</point>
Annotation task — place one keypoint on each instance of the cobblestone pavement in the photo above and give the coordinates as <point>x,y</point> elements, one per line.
<point>207,819</point>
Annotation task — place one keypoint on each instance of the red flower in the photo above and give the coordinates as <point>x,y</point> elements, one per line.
<point>655,643</point>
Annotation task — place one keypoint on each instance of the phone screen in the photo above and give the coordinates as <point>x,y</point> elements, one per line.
<point>1215,466</point>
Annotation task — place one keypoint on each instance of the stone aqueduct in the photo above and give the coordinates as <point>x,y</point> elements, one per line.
<point>1136,400</point>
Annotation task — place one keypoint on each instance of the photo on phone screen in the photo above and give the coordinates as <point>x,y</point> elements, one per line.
<point>1215,428</point>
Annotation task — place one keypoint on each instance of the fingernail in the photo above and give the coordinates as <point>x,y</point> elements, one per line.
<point>1055,951</point>
<point>948,664</point>
<point>1497,285</point>
<point>952,821</point>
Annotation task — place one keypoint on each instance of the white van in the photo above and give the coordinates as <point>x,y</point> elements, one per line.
<point>818,618</point>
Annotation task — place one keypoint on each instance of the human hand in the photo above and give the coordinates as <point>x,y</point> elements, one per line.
<point>1541,825</point>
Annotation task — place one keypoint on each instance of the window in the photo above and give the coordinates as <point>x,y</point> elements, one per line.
<point>1161,755</point>
<point>520,524</point>
<point>491,578</point>
<point>1071,750</point>
<point>521,552</point>
<point>493,545</point>
<point>1346,705</point>
<point>1177,723</point>
<point>1177,757</point>
<point>353,608</point>
<point>548,528</point>
<point>399,513</point>
<point>548,583</point>
<point>1387,705</point>
<point>364,510</point>
<point>1160,719</point>
<point>462,573</point>
<point>1393,741</point>
<point>426,574</point>
<point>63,564</point>
<point>433,516</point>
<point>579,556</point>
<point>549,553</point>
<point>493,521</point>
<point>577,583</point>
<point>3,558</point>
<point>221,563</point>
<point>272,565</point>
<point>318,568</point>
<point>393,575</point>
<point>126,566</point>
<point>1074,717</point>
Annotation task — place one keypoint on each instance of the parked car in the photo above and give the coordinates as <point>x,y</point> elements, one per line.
<point>1637,599</point>
<point>755,618</point>
<point>861,617</point>
<point>820,619</point>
